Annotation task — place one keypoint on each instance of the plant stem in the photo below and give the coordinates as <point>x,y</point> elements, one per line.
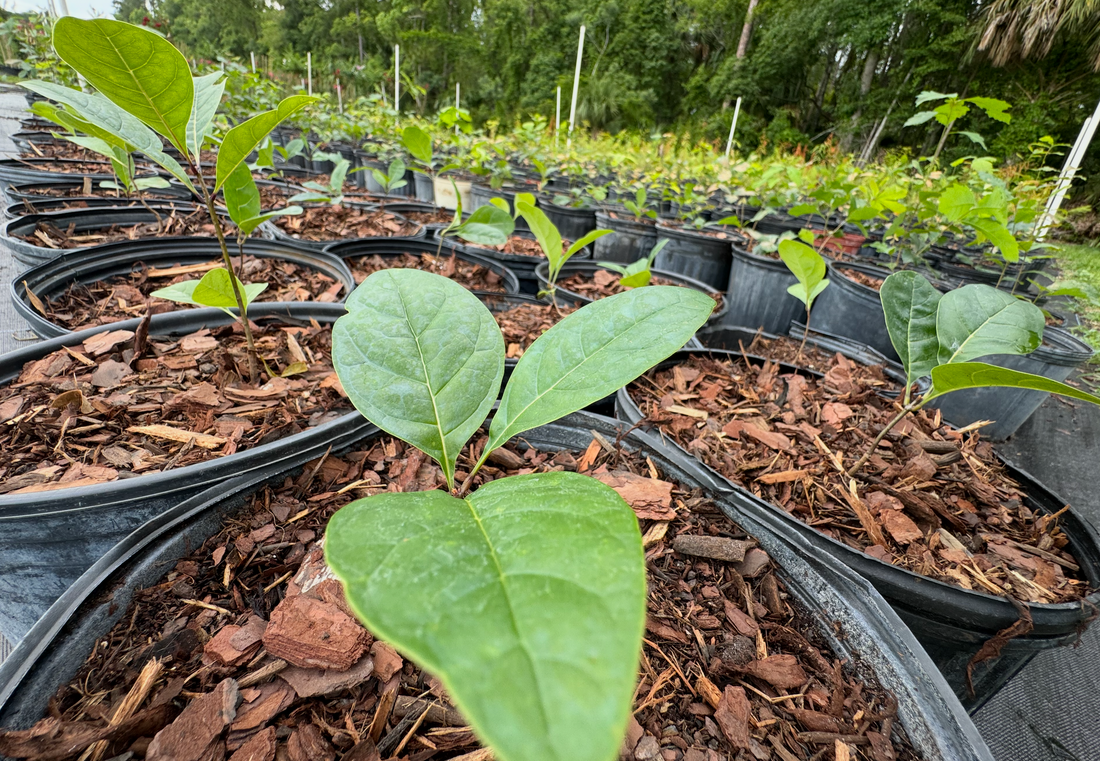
<point>911,407</point>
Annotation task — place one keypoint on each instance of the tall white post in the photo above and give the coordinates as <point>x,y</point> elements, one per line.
<point>397,78</point>
<point>339,97</point>
<point>252,55</point>
<point>457,91</point>
<point>733,126</point>
<point>309,71</point>
<point>576,86</point>
<point>64,7</point>
<point>557,117</point>
<point>1065,179</point>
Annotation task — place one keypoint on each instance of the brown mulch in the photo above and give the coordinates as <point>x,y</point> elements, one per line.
<point>872,282</point>
<point>92,189</point>
<point>441,217</point>
<point>934,500</point>
<point>81,415</point>
<point>605,283</point>
<point>195,222</point>
<point>215,660</point>
<point>124,297</point>
<point>76,167</point>
<point>522,324</point>
<point>786,350</point>
<point>631,218</point>
<point>520,246</point>
<point>322,223</point>
<point>469,275</point>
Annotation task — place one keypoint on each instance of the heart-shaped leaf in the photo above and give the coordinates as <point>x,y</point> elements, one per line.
<point>960,375</point>
<point>421,358</point>
<point>594,352</point>
<point>527,599</point>
<point>979,320</point>
<point>909,304</point>
<point>138,70</point>
<point>240,141</point>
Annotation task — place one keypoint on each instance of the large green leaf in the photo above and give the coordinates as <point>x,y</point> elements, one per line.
<point>909,304</point>
<point>421,358</point>
<point>246,137</point>
<point>919,118</point>
<point>138,70</point>
<point>955,377</point>
<point>1000,236</point>
<point>527,599</point>
<point>489,225</point>
<point>994,108</point>
<point>103,119</point>
<point>208,95</point>
<point>545,232</point>
<point>956,202</point>
<point>594,352</point>
<point>980,320</point>
<point>418,143</point>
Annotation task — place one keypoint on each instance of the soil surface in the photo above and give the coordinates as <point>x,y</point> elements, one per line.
<point>216,661</point>
<point>520,246</point>
<point>124,404</point>
<point>440,217</point>
<point>127,296</point>
<point>76,167</point>
<point>523,323</point>
<point>934,500</point>
<point>92,189</point>
<point>605,283</point>
<point>785,350</point>
<point>194,222</point>
<point>469,275</point>
<point>872,282</point>
<point>323,223</point>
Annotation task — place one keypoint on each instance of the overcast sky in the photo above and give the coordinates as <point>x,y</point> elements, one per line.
<point>82,8</point>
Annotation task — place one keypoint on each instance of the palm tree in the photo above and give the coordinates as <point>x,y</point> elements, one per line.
<point>1016,29</point>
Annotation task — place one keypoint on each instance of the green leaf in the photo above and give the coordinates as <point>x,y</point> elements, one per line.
<point>145,183</point>
<point>584,241</point>
<point>418,143</point>
<point>637,279</point>
<point>101,118</point>
<point>951,111</point>
<point>242,197</point>
<point>909,304</point>
<point>216,290</point>
<point>420,357</point>
<point>960,375</point>
<point>929,95</point>
<point>546,233</point>
<point>808,266</point>
<point>240,141</point>
<point>139,71</point>
<point>999,236</point>
<point>182,293</point>
<point>249,225</point>
<point>802,208</point>
<point>501,204</point>
<point>487,226</point>
<point>527,599</point>
<point>919,118</point>
<point>979,320</point>
<point>594,352</point>
<point>994,108</point>
<point>974,137</point>
<point>208,95</point>
<point>956,202</point>
<point>339,174</point>
<point>527,198</point>
<point>397,170</point>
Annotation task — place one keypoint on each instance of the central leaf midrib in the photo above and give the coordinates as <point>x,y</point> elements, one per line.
<point>974,332</point>
<point>427,384</point>
<point>130,70</point>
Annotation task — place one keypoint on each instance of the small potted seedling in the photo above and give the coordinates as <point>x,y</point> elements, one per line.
<point>550,241</point>
<point>639,273</point>
<point>525,597</point>
<point>808,267</point>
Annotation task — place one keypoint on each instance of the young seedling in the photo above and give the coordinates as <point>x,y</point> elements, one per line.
<point>489,225</point>
<point>333,193</point>
<point>639,207</point>
<point>941,334</point>
<point>526,597</point>
<point>549,240</point>
<point>636,274</point>
<point>808,267</point>
<point>148,94</point>
<point>392,179</point>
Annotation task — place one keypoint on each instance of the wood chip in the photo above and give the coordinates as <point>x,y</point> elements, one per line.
<point>203,440</point>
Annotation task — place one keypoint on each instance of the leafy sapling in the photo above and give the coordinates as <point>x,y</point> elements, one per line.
<point>392,179</point>
<point>333,193</point>
<point>526,596</point>
<point>954,108</point>
<point>549,240</point>
<point>149,94</point>
<point>942,334</point>
<point>808,267</point>
<point>489,225</point>
<point>639,207</point>
<point>636,274</point>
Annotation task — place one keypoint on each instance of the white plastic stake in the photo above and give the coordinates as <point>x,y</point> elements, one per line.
<point>64,7</point>
<point>309,71</point>
<point>252,55</point>
<point>733,126</point>
<point>1065,179</point>
<point>397,78</point>
<point>576,86</point>
<point>557,117</point>
<point>339,97</point>
<point>457,91</point>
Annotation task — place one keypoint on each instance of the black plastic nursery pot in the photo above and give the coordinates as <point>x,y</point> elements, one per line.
<point>79,221</point>
<point>51,278</point>
<point>631,240</point>
<point>572,223</point>
<point>698,255</point>
<point>950,622</point>
<point>1014,277</point>
<point>277,233</point>
<point>46,169</point>
<point>848,613</point>
<point>16,193</point>
<point>1059,355</point>
<point>523,266</point>
<point>851,309</point>
<point>481,195</point>
<point>392,248</point>
<point>757,292</point>
<point>49,538</point>
<point>590,268</point>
